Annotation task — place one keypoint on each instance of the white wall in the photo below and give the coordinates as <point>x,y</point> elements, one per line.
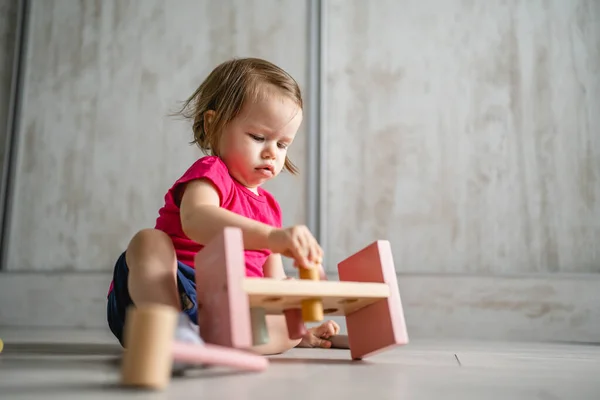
<point>98,151</point>
<point>465,133</point>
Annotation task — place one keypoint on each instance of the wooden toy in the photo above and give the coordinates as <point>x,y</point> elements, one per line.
<point>312,309</point>
<point>381,325</point>
<point>232,307</point>
<point>232,310</point>
<point>150,349</point>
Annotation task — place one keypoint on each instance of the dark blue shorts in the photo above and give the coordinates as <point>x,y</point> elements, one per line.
<point>119,300</point>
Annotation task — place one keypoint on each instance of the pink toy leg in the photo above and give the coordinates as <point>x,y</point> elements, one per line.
<point>295,323</point>
<point>380,325</point>
<point>218,355</point>
<point>223,306</point>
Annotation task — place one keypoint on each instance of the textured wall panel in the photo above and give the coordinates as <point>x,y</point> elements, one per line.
<point>466,133</point>
<point>8,26</point>
<point>98,149</point>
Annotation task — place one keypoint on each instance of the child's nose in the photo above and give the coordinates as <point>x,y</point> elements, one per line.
<point>269,151</point>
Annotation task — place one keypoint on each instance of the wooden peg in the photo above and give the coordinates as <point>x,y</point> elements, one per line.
<point>312,309</point>
<point>295,323</point>
<point>148,337</point>
<point>150,349</point>
<point>309,273</point>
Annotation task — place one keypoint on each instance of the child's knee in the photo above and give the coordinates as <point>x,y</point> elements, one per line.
<point>150,238</point>
<point>151,245</point>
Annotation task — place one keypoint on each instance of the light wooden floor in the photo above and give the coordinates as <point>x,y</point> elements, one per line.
<point>84,365</point>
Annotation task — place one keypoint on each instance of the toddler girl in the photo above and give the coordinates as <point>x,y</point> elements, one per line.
<point>245,117</point>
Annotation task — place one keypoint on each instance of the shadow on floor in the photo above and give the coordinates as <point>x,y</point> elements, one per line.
<point>320,361</point>
<point>63,349</point>
<point>58,388</point>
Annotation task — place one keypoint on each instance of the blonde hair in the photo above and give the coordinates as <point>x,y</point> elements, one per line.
<point>225,91</point>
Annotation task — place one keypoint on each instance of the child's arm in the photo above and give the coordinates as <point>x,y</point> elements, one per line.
<point>202,218</point>
<point>273,268</point>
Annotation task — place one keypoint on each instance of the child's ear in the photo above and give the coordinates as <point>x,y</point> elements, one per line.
<point>209,116</point>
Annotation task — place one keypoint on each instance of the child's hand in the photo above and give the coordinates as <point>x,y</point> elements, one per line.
<point>317,336</point>
<point>296,242</point>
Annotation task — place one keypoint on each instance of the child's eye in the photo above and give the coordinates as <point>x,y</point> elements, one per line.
<point>257,138</point>
<point>282,145</point>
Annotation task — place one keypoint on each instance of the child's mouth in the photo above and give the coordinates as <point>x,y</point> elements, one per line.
<point>265,171</point>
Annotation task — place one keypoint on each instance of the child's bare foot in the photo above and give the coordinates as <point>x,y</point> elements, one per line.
<point>319,336</point>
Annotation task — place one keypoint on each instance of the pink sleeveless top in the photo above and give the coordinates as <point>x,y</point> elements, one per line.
<point>234,197</point>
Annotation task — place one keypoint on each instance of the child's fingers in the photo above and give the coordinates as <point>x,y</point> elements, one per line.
<point>320,252</point>
<point>316,252</point>
<point>299,253</point>
<point>312,251</point>
<point>318,342</point>
<point>322,275</point>
<point>328,329</point>
<point>336,328</point>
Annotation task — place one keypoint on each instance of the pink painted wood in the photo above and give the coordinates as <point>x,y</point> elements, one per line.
<point>295,323</point>
<point>217,355</point>
<point>223,305</point>
<point>381,325</point>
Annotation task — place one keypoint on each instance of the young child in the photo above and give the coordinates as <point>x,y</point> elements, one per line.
<point>245,117</point>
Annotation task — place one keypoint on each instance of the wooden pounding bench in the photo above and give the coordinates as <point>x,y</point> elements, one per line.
<point>232,310</point>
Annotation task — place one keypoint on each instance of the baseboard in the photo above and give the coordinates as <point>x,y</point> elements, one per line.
<point>63,299</point>
<point>523,308</point>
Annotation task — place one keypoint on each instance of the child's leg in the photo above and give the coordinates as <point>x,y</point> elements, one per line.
<point>279,342</point>
<point>144,274</point>
<point>152,267</point>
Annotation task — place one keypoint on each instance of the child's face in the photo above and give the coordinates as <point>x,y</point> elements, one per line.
<point>254,144</point>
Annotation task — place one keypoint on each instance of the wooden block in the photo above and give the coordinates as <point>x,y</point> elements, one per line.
<point>260,334</point>
<point>150,349</point>
<point>295,324</point>
<point>338,298</point>
<point>148,338</point>
<point>223,306</point>
<point>309,273</point>
<point>312,310</point>
<point>380,325</point>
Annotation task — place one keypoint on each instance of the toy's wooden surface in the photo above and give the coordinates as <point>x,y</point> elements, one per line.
<point>223,309</point>
<point>381,325</point>
<point>312,309</point>
<point>147,359</point>
<point>339,298</point>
